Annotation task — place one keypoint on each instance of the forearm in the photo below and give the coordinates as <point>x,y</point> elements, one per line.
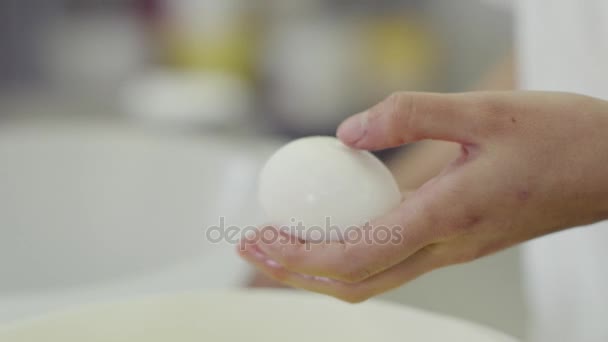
<point>415,166</point>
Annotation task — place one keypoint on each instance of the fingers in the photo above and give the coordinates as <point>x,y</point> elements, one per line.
<point>408,117</point>
<point>419,263</point>
<point>438,211</point>
<point>374,248</point>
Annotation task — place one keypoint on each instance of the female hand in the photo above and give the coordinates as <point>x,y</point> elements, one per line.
<point>531,163</point>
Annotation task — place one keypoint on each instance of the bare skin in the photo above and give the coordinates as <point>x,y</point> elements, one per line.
<point>416,165</point>
<point>530,163</point>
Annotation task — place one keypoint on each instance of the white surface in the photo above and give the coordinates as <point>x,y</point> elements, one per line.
<point>89,212</point>
<point>319,180</point>
<point>247,316</point>
<point>563,46</point>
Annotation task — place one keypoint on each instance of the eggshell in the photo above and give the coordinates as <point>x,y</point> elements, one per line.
<point>318,188</point>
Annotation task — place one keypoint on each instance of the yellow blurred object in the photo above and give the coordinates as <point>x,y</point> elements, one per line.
<point>209,36</point>
<point>230,51</point>
<point>399,52</point>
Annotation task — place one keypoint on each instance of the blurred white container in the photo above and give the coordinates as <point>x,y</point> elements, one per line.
<point>92,53</point>
<point>207,17</point>
<point>271,316</point>
<point>312,66</point>
<point>182,98</point>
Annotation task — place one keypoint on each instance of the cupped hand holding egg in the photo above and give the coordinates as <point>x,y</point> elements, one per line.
<point>320,184</point>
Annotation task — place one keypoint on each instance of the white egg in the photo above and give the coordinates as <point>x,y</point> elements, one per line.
<point>326,186</point>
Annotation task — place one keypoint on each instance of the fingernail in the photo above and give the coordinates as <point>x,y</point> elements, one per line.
<point>353,129</point>
<point>316,278</point>
<point>271,263</point>
<point>254,252</point>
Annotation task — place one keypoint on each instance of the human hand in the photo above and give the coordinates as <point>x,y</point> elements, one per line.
<point>531,163</point>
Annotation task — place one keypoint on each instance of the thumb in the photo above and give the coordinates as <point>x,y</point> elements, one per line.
<point>408,117</point>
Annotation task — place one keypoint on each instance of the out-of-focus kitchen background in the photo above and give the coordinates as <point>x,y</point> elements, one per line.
<point>127,127</point>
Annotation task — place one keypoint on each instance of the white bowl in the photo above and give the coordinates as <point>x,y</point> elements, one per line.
<point>270,316</point>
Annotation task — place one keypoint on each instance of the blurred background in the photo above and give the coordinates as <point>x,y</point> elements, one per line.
<point>127,126</point>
